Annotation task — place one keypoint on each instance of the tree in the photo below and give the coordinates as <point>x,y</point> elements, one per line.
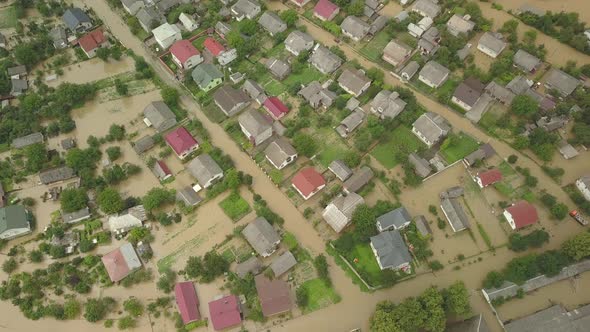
<point>356,8</point>
<point>116,132</point>
<point>517,242</point>
<point>214,265</point>
<point>457,300</point>
<point>133,306</point>
<point>432,302</point>
<point>166,281</point>
<point>248,27</point>
<point>302,297</point>
<point>121,87</point>
<point>86,245</point>
<point>363,139</point>
<point>524,105</point>
<point>73,199</point>
<point>194,267</point>
<point>126,322</point>
<point>72,309</point>
<point>113,152</point>
<point>103,53</point>
<point>36,155</point>
<point>305,144</point>
<point>577,247</point>
<point>559,211</point>
<point>289,17</point>
<point>36,256</point>
<point>96,309</point>
<point>383,319</point>
<point>493,279</point>
<point>170,96</point>
<point>110,201</point>
<point>321,266</point>
<point>512,158</point>
<point>9,265</point>
<point>363,219</point>
<point>232,179</point>
<point>157,197</point>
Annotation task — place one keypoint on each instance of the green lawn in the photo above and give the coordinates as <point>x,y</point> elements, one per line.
<point>330,153</point>
<point>274,87</point>
<point>235,207</point>
<point>506,169</point>
<point>402,141</point>
<point>366,264</point>
<point>456,147</point>
<point>8,18</point>
<point>320,295</point>
<point>307,75</point>
<point>374,48</point>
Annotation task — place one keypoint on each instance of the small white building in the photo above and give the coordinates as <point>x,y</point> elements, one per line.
<point>583,185</point>
<point>188,22</point>
<point>166,34</point>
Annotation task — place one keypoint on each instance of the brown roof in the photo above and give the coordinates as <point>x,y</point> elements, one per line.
<point>274,295</point>
<point>469,91</point>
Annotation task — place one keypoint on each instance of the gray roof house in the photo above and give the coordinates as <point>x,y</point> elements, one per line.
<point>500,93</point>
<point>251,265</point>
<point>316,95</point>
<point>255,126</point>
<point>476,323</point>
<point>483,152</point>
<point>426,8</point>
<point>396,52</point>
<point>453,211</point>
<point>205,170</point>
<point>395,219</point>
<point>59,36</point>
<point>15,221</point>
<point>56,175</point>
<point>340,169</point>
<point>555,318</point>
<point>491,43</point>
<point>24,141</point>
<point>189,196</point>
<point>358,180</point>
<point>149,18</point>
<point>354,28</point>
<point>76,20</point>
<point>222,28</point>
<point>206,75</point>
<point>567,150</point>
<point>378,24</point>
<point>468,93</point>
<point>526,61</point>
<point>164,6</point>
<point>324,60</point>
<point>433,74</point>
<point>422,226</point>
<point>421,166</point>
<point>132,6</point>
<point>354,82</point>
<point>254,91</point>
<point>387,104</point>
<point>278,68</point>
<point>457,25</point>
<point>18,86</point>
<point>68,143</point>
<point>76,216</point>
<point>128,219</point>
<point>561,81</point>
<point>350,123</point>
<point>17,71</point>
<point>262,236</point>
<point>282,264</point>
<point>159,115</point>
<point>245,9</point>
<point>230,100</point>
<point>339,212</point>
<point>298,41</point>
<point>391,251</point>
<point>409,70</point>
<point>519,85</point>
<point>143,144</point>
<point>272,23</point>
<point>431,128</point>
<point>280,153</point>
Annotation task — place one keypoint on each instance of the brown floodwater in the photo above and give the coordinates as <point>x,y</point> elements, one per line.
<point>93,70</point>
<point>581,7</point>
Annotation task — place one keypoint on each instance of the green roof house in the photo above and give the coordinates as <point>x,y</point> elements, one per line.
<point>207,76</point>
<point>15,221</point>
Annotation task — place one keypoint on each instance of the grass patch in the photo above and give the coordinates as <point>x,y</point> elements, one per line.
<point>504,188</point>
<point>401,142</point>
<point>319,294</point>
<point>456,147</point>
<point>306,76</point>
<point>506,169</point>
<point>374,49</point>
<point>485,236</point>
<point>213,113</point>
<point>276,176</point>
<point>347,270</point>
<point>366,262</point>
<point>8,18</point>
<point>330,153</point>
<point>274,87</point>
<point>235,207</point>
<point>290,241</point>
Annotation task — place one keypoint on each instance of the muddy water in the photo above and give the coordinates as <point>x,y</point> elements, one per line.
<point>577,6</point>
<point>93,70</point>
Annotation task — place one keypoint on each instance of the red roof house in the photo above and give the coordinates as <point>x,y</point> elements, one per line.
<point>161,170</point>
<point>521,214</point>
<point>182,142</point>
<point>120,262</point>
<point>308,182</point>
<point>274,295</point>
<point>489,177</point>
<point>187,301</point>
<point>92,41</point>
<point>325,10</point>
<point>185,54</point>
<point>275,107</point>
<point>225,312</point>
<point>213,46</point>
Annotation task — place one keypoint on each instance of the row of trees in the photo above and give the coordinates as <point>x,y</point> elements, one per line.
<point>566,27</point>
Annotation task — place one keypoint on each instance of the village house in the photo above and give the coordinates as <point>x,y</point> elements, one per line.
<point>339,212</point>
<point>76,20</point>
<point>24,141</point>
<point>132,6</point>
<point>187,301</point>
<point>500,93</point>
<point>426,8</point>
<point>272,23</point>
<point>308,182</point>
<point>68,143</point>
<point>354,82</point>
<point>18,86</point>
<point>434,74</point>
<point>325,10</point>
<point>59,37</point>
<point>57,174</point>
<point>227,56</point>
<point>222,28</point>
<point>324,60</point>
<point>225,312</point>
<point>453,211</point>
<point>230,100</point>
<point>422,226</point>
<point>149,18</point>
<point>17,72</point>
<point>188,196</point>
<point>158,115</point>
<point>15,221</point>
<point>396,52</point>
<point>252,265</point>
<point>358,180</point>
<point>278,68</point>
<point>350,123</point>
<point>340,169</point>
<point>387,104</point>
<point>181,142</point>
<point>418,29</point>
<point>526,61</point>
<point>274,295</point>
<point>354,28</point>
<point>421,166</point>
<point>391,251</point>
<point>143,144</point>
<point>395,219</point>
<point>121,262</point>
<point>371,7</point>
<point>567,150</point>
<point>255,126</point>
<point>554,318</point>
<point>484,151</point>
<point>352,104</point>
<point>280,265</point>
<point>552,123</point>
<point>245,9</point>
<point>298,42</point>
<point>317,96</point>
<point>164,6</point>
<point>564,83</point>
<point>69,241</point>
<point>521,214</point>
<point>583,185</point>
<point>280,153</point>
<point>185,54</point>
<point>378,24</point>
<point>457,25</point>
<point>254,91</point>
<point>262,237</point>
<point>468,93</point>
<point>205,170</point>
<point>188,22</point>
<point>207,76</point>
<point>128,219</point>
<point>491,44</point>
<point>166,34</point>
<point>431,128</point>
<point>429,43</point>
<point>76,216</point>
<point>409,70</point>
<point>519,85</point>
<point>487,178</point>
<point>161,170</point>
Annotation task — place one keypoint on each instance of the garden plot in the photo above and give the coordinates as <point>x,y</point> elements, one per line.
<point>391,152</point>
<point>8,18</point>
<point>457,146</point>
<point>374,49</point>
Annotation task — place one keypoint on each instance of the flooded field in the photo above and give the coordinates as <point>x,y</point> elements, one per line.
<point>93,70</point>
<point>580,7</point>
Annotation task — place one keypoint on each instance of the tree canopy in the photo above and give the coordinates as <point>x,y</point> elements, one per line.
<point>110,201</point>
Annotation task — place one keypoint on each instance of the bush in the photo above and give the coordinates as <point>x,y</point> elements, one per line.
<point>133,307</point>
<point>559,211</point>
<point>512,158</point>
<point>9,265</point>
<point>321,266</point>
<point>36,256</point>
<point>435,265</point>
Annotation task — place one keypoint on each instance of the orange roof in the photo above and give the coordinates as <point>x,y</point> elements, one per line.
<point>92,40</point>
